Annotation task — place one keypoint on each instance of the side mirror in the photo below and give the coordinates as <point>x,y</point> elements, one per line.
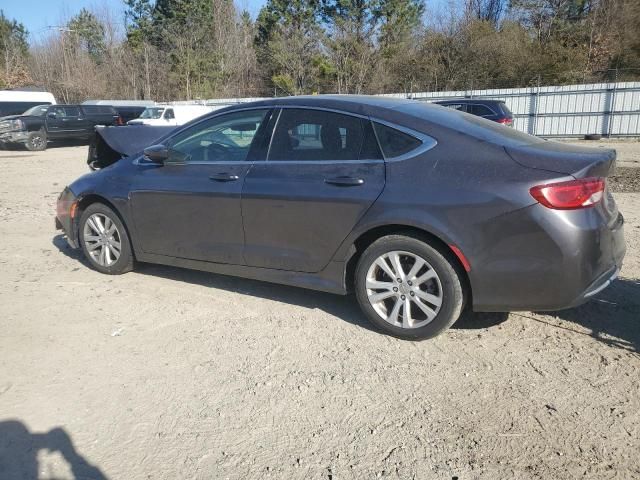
<point>157,153</point>
<point>51,115</point>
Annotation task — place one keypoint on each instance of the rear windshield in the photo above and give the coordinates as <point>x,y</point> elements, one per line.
<point>505,109</point>
<point>477,127</point>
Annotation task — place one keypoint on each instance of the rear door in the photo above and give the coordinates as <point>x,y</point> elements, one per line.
<point>324,170</point>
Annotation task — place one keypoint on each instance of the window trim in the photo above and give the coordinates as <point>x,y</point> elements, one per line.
<point>320,162</point>
<point>427,144</point>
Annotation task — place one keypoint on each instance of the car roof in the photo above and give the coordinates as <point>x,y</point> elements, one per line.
<point>469,100</point>
<point>416,115</point>
<point>361,104</point>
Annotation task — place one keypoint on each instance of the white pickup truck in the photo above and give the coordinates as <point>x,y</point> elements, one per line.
<point>166,115</point>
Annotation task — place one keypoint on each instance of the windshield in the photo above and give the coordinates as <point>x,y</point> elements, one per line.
<point>152,112</point>
<point>38,111</point>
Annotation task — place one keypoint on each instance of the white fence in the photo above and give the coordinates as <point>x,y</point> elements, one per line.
<point>608,109</point>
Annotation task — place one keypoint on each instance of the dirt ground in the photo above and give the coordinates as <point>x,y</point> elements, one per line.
<point>166,373</point>
<point>628,149</point>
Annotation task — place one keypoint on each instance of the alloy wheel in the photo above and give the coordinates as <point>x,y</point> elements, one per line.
<point>404,289</point>
<point>102,239</point>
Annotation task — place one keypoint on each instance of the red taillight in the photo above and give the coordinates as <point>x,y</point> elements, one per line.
<point>582,193</point>
<point>506,121</point>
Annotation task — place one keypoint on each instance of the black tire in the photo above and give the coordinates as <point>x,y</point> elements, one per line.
<point>449,273</point>
<point>36,141</point>
<point>124,262</point>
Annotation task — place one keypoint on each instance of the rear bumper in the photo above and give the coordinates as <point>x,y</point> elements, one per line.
<point>548,260</point>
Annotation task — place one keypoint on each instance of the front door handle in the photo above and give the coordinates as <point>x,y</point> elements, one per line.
<point>344,181</point>
<point>224,177</point>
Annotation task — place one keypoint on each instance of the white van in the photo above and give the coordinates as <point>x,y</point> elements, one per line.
<point>16,102</point>
<point>170,114</point>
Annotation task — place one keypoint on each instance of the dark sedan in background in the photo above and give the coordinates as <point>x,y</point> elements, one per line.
<point>421,210</point>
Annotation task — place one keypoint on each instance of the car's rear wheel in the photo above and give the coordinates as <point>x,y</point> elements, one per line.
<point>36,141</point>
<point>104,240</point>
<point>408,288</point>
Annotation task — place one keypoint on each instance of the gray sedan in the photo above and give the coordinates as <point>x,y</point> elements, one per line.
<point>420,210</point>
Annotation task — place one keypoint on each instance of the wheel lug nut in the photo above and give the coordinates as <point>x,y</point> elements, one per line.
<point>395,289</point>
<point>409,283</point>
<point>399,280</point>
<point>403,297</point>
<point>412,294</point>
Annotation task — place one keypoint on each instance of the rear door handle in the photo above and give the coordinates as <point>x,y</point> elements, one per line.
<point>224,177</point>
<point>344,181</point>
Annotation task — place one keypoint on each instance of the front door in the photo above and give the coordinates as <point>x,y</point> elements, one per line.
<point>323,172</point>
<point>190,206</point>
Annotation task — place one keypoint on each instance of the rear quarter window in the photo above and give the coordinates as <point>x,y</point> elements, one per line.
<point>395,143</point>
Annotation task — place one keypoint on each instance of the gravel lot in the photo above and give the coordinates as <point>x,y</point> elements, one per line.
<point>169,373</point>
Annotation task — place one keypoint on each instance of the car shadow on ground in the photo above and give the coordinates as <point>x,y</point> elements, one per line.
<point>343,307</point>
<point>19,450</point>
<point>613,316</point>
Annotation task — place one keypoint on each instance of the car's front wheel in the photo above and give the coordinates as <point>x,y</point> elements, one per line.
<point>36,141</point>
<point>104,240</point>
<point>408,288</point>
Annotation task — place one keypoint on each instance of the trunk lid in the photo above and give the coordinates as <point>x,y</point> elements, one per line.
<point>579,162</point>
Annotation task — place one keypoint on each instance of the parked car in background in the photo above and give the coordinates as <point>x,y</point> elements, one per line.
<point>494,110</point>
<point>126,113</point>
<point>420,210</point>
<point>15,102</point>
<point>127,109</point>
<point>166,115</point>
<point>35,127</point>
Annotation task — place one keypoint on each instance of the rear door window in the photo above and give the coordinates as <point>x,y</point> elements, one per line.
<point>393,142</point>
<point>480,110</point>
<point>308,135</point>
<point>65,111</point>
